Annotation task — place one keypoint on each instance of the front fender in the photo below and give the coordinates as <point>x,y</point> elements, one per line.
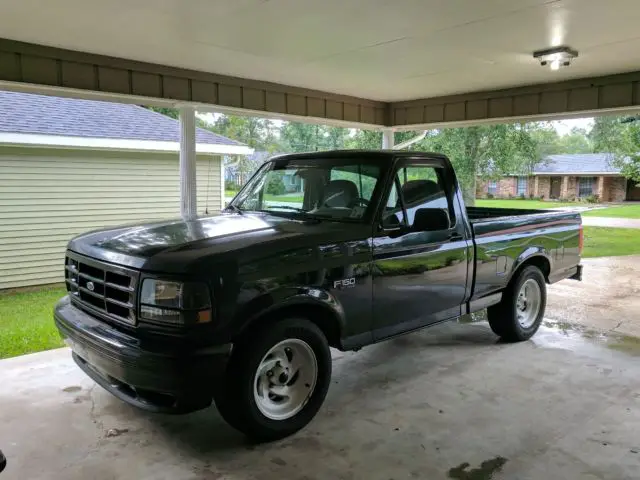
<point>264,305</point>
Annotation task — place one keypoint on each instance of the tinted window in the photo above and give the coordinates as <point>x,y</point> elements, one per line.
<point>328,188</point>
<point>422,187</point>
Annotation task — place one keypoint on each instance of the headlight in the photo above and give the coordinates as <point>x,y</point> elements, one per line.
<point>175,303</point>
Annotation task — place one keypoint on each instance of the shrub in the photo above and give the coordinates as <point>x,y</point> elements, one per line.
<point>231,185</point>
<point>275,186</point>
<point>532,196</point>
<point>490,196</point>
<point>522,197</point>
<point>592,198</point>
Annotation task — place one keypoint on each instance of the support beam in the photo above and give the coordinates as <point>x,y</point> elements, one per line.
<point>188,207</point>
<point>387,139</point>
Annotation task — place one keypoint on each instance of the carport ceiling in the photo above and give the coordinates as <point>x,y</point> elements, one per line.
<point>381,50</point>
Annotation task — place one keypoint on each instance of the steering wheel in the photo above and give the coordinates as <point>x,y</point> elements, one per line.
<point>358,202</point>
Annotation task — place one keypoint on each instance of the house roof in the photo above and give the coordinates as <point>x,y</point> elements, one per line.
<point>582,163</point>
<point>25,113</point>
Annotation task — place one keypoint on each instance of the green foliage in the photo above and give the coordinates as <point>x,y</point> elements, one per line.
<point>592,198</point>
<point>169,112</point>
<point>622,140</point>
<point>258,133</point>
<point>275,185</point>
<point>302,137</point>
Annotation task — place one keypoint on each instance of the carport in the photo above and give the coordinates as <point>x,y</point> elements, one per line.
<point>389,66</point>
<point>392,66</point>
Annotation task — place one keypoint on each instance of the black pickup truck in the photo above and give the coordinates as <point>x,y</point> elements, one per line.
<point>333,249</point>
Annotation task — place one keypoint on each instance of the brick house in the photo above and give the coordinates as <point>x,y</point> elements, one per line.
<point>566,177</point>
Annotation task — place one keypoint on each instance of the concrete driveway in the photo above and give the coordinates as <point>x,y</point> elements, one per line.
<point>611,222</point>
<point>449,402</point>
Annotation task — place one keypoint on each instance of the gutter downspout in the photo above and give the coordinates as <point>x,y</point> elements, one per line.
<point>410,142</point>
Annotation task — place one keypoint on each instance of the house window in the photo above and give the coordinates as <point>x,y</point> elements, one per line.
<point>492,187</point>
<point>585,186</point>
<point>522,186</point>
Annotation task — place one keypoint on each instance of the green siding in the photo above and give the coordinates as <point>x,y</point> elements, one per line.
<point>49,196</point>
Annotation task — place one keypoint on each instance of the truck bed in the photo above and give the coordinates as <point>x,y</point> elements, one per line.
<point>502,235</point>
<point>483,213</point>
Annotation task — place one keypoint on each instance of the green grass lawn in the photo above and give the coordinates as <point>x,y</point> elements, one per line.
<point>527,204</point>
<point>26,322</point>
<point>610,242</point>
<point>624,211</point>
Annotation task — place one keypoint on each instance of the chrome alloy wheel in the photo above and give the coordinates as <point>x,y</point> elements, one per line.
<point>528,303</point>
<point>285,379</point>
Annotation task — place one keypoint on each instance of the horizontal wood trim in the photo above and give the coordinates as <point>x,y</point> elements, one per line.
<point>42,65</point>
<point>569,98</point>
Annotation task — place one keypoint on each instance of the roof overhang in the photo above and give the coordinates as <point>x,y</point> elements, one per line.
<point>400,65</point>
<point>117,144</point>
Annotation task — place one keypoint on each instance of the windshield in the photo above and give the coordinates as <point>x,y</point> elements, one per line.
<point>336,189</point>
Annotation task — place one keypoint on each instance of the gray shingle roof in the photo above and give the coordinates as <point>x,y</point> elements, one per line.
<point>577,163</point>
<point>40,114</point>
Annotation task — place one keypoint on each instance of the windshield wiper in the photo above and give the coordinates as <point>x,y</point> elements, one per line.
<point>287,207</point>
<point>234,208</point>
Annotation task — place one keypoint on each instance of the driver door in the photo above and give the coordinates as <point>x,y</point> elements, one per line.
<point>419,277</point>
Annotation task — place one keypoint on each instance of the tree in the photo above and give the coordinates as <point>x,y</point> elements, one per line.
<point>576,141</point>
<point>304,137</point>
<point>620,138</point>
<point>258,133</point>
<point>485,151</point>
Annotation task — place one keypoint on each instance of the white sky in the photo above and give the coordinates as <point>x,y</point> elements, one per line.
<point>562,126</point>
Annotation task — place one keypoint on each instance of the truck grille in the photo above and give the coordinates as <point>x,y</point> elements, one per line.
<point>101,287</point>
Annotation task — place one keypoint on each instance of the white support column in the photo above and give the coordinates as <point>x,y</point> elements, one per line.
<point>188,206</point>
<point>387,139</point>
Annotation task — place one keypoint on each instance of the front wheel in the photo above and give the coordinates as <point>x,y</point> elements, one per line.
<point>277,380</point>
<point>519,314</point>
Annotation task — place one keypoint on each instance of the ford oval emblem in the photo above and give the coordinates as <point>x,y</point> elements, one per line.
<point>90,286</point>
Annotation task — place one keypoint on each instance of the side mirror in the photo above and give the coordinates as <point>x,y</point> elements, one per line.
<point>431,220</point>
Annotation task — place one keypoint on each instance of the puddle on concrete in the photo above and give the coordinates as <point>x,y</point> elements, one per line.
<point>571,336</point>
<point>578,337</point>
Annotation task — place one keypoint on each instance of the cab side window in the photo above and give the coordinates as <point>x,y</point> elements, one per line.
<point>422,187</point>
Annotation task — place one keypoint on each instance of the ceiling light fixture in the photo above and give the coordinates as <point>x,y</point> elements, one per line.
<point>556,57</point>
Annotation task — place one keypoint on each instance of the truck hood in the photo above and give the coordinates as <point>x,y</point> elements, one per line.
<point>180,246</point>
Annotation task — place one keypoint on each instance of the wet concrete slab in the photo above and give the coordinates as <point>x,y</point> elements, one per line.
<point>449,402</point>
<point>607,299</point>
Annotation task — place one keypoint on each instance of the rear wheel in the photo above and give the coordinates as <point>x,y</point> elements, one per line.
<point>518,316</point>
<point>276,380</point>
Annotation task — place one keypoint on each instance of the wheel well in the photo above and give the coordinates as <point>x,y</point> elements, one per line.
<point>538,261</point>
<point>326,320</point>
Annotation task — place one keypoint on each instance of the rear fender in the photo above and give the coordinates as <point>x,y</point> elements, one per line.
<point>538,256</point>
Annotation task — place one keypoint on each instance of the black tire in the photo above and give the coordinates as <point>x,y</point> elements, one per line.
<point>503,317</point>
<point>235,399</point>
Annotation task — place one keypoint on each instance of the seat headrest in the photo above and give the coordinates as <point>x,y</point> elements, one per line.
<point>339,193</point>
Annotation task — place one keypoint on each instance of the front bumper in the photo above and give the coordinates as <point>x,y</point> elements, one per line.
<point>154,378</point>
